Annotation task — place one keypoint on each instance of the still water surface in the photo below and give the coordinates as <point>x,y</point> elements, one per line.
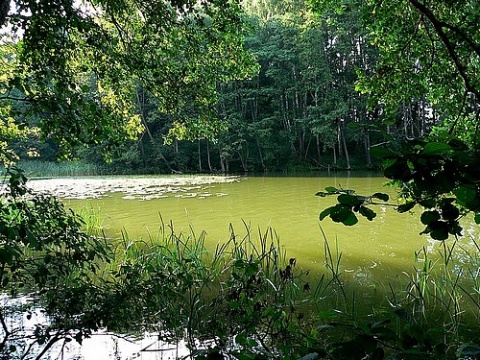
<point>375,251</point>
<point>374,254</point>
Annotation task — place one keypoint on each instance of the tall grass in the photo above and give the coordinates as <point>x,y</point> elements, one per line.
<point>247,298</point>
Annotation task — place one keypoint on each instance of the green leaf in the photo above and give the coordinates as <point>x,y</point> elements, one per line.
<point>399,170</point>
<point>437,148</point>
<point>338,213</point>
<point>343,214</point>
<point>368,213</point>
<point>79,337</point>
<point>351,220</point>
<point>467,196</point>
<point>381,196</point>
<point>428,217</point>
<point>325,213</point>
<point>380,152</point>
<point>468,350</point>
<point>428,203</point>
<point>439,230</point>
<point>450,212</point>
<point>331,189</point>
<point>406,207</point>
<point>350,200</point>
<point>477,219</point>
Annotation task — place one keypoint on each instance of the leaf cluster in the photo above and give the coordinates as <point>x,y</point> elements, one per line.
<point>441,176</point>
<point>76,66</point>
<point>45,255</point>
<point>348,204</point>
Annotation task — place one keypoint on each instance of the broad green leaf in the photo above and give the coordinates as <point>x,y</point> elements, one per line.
<point>368,213</point>
<point>450,212</point>
<point>331,189</point>
<point>428,217</point>
<point>439,230</point>
<point>406,207</point>
<point>427,203</point>
<point>351,220</point>
<point>468,350</point>
<point>381,196</point>
<point>437,148</point>
<point>477,219</point>
<point>380,152</point>
<point>350,200</point>
<point>343,214</point>
<point>467,196</point>
<point>399,170</point>
<point>325,213</point>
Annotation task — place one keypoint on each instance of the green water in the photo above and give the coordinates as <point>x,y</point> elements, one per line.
<point>374,252</point>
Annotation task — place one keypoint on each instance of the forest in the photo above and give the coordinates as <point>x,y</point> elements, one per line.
<point>292,102</point>
<point>231,86</point>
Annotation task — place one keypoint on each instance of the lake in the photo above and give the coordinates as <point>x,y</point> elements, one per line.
<point>375,251</point>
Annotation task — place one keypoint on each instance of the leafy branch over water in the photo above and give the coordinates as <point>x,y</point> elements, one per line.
<point>349,204</point>
<point>440,175</point>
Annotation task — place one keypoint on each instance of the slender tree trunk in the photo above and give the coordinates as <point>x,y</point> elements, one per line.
<point>345,149</point>
<point>339,139</point>
<point>175,145</point>
<point>199,156</point>
<point>142,152</point>
<point>222,162</point>
<point>243,161</point>
<point>366,142</point>
<point>308,147</point>
<point>334,156</point>
<point>208,157</point>
<point>4,8</point>
<point>261,155</point>
<point>319,152</point>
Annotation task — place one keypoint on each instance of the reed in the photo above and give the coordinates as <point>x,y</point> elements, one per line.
<point>36,168</point>
<point>246,297</point>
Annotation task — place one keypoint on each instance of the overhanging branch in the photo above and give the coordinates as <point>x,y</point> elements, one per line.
<point>440,27</point>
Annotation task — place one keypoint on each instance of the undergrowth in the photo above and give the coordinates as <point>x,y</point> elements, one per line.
<point>247,299</point>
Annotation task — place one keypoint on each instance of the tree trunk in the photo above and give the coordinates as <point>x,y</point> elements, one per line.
<point>345,149</point>
<point>261,156</point>
<point>222,162</point>
<point>366,143</point>
<point>319,152</point>
<point>175,144</point>
<point>208,157</point>
<point>199,156</point>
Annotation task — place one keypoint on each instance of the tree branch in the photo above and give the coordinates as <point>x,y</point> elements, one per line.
<point>439,28</point>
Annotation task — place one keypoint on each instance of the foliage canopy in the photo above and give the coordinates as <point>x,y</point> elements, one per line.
<point>428,52</point>
<point>73,65</point>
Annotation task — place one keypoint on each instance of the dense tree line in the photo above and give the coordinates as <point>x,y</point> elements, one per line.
<point>301,110</point>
